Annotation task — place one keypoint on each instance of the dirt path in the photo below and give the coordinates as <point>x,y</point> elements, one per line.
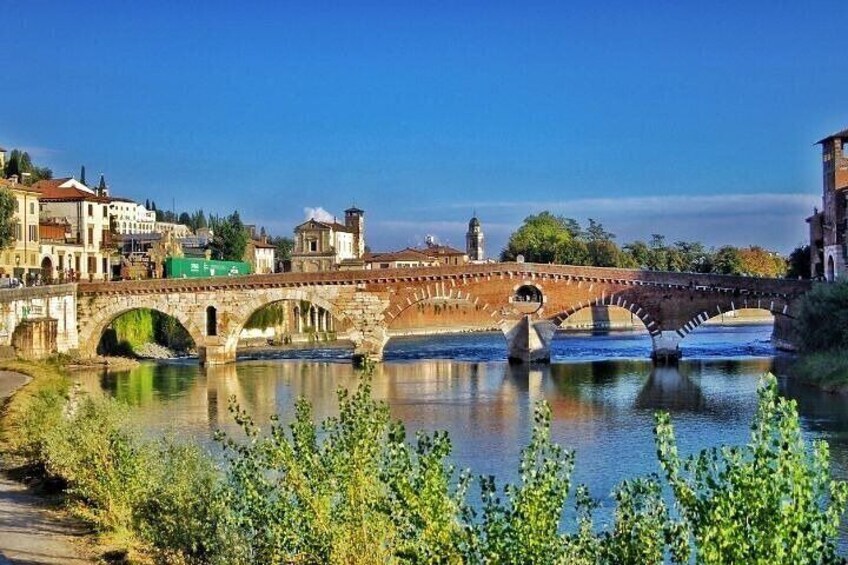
<point>29,531</point>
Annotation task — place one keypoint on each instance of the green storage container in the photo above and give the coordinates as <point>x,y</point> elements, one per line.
<point>187,268</point>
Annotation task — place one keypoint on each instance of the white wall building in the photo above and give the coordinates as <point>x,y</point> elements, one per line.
<point>131,217</point>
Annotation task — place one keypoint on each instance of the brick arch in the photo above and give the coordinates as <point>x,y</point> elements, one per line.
<point>436,290</point>
<point>242,313</point>
<point>615,299</point>
<point>91,331</point>
<point>777,307</point>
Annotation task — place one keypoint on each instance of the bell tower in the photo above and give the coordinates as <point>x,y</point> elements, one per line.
<point>355,223</point>
<point>474,241</point>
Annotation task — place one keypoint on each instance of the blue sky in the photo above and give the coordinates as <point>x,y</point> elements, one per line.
<point>422,112</point>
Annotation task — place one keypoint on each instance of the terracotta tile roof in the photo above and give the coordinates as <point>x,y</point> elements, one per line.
<point>6,183</point>
<point>262,245</point>
<point>54,191</point>
<point>408,254</point>
<point>443,250</point>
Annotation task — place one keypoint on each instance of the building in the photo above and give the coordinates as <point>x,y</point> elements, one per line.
<point>128,216</point>
<point>329,245</point>
<point>446,255</point>
<point>474,241</point>
<point>261,255</point>
<point>22,260</point>
<point>89,245</point>
<point>828,227</point>
<point>433,255</point>
<point>408,258</point>
<point>179,231</point>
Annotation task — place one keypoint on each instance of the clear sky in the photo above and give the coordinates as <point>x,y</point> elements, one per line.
<point>422,112</point>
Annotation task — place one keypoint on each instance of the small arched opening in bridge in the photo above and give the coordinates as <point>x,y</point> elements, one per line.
<point>743,331</point>
<point>144,332</point>
<point>292,322</point>
<point>211,321</point>
<point>831,269</point>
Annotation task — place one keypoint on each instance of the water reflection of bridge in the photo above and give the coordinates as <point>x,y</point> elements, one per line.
<point>425,394</point>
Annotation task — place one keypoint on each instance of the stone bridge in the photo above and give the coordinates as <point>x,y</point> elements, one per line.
<point>525,301</point>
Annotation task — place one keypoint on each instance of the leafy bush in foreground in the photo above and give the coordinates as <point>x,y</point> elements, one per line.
<point>354,490</point>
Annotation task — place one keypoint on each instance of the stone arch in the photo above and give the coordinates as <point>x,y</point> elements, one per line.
<point>830,273</point>
<point>776,308</point>
<point>611,300</point>
<point>245,310</point>
<point>437,290</point>
<point>91,331</point>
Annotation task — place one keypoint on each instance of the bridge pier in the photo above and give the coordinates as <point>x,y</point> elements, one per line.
<point>666,347</point>
<point>528,342</point>
<point>215,354</point>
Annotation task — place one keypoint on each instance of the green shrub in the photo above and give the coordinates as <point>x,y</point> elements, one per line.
<point>104,463</point>
<point>770,501</point>
<point>821,323</point>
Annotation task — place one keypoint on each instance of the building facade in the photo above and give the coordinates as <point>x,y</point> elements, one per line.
<point>828,226</point>
<point>128,216</point>
<point>329,245</point>
<point>87,250</point>
<point>22,259</point>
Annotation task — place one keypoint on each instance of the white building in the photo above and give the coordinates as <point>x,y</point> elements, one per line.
<point>88,246</point>
<point>179,231</point>
<point>131,217</point>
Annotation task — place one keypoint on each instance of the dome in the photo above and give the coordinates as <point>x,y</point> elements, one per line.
<point>474,223</point>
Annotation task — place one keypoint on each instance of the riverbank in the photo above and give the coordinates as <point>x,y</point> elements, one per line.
<point>35,528</point>
<point>827,370</point>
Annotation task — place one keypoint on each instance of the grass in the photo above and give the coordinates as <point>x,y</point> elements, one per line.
<point>825,369</point>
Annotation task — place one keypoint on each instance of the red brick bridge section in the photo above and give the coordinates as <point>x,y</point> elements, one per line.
<point>526,301</point>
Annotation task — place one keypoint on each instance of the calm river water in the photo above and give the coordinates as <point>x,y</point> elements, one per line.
<point>603,391</point>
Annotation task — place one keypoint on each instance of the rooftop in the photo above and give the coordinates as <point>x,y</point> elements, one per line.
<point>838,135</point>
<point>66,190</point>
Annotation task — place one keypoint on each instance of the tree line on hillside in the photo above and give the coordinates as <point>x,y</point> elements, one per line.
<point>548,238</point>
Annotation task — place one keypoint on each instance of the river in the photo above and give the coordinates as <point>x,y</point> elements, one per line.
<point>602,389</point>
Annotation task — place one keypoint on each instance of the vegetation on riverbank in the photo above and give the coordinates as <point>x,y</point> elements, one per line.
<point>131,331</point>
<point>821,329</point>
<point>354,490</point>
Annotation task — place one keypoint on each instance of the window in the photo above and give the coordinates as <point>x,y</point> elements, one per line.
<point>90,235</point>
<point>91,210</point>
<point>313,245</point>
<point>33,233</point>
<point>211,321</point>
<point>105,212</point>
<point>18,232</point>
<point>32,208</point>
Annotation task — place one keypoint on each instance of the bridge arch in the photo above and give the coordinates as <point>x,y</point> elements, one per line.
<point>92,331</point>
<point>779,309</point>
<point>438,291</point>
<point>613,300</point>
<point>261,300</point>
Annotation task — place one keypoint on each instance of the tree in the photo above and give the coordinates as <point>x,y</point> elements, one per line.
<point>284,246</point>
<point>82,174</point>
<point>8,204</point>
<point>760,262</point>
<point>799,263</point>
<point>639,253</point>
<point>184,219</point>
<point>727,261</point>
<point>20,163</point>
<point>543,238</point>
<point>230,240</point>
